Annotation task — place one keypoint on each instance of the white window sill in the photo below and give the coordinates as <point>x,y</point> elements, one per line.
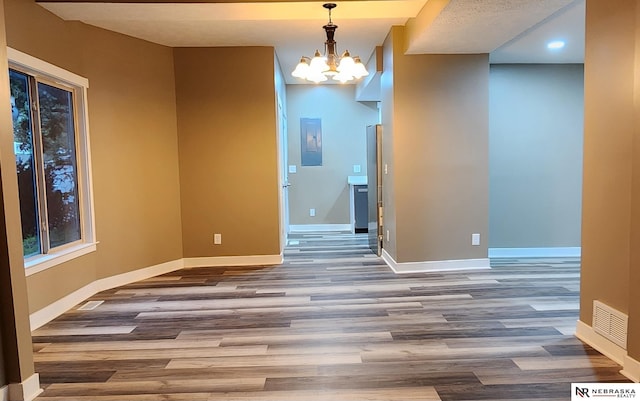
<point>43,262</point>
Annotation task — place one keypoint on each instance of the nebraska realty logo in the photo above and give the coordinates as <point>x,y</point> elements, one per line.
<point>582,391</point>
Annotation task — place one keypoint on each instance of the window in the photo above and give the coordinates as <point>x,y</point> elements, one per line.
<point>48,107</point>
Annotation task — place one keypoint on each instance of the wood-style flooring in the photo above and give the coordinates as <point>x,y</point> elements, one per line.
<point>333,323</point>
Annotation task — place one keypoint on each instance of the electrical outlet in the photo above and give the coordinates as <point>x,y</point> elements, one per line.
<point>312,212</point>
<point>475,239</point>
<point>357,168</point>
<point>217,239</point>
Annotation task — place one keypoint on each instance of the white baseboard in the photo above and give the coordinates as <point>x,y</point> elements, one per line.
<point>4,393</point>
<point>25,391</point>
<point>611,350</point>
<point>303,228</point>
<point>552,252</point>
<point>253,260</point>
<point>630,367</point>
<point>137,275</point>
<point>57,308</point>
<point>434,266</point>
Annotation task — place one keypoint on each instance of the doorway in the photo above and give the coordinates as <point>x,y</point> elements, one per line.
<point>319,196</point>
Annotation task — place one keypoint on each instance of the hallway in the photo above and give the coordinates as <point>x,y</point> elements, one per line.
<point>332,323</point>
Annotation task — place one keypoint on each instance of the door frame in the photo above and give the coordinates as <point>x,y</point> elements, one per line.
<point>283,176</point>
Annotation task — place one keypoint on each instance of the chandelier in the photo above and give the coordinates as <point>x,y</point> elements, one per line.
<point>319,68</point>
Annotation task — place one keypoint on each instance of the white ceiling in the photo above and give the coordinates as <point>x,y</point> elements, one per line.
<point>530,46</point>
<point>511,30</point>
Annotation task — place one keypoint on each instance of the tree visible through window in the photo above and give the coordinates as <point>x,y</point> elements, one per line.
<point>46,163</point>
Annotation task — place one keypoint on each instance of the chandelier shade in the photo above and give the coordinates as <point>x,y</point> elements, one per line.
<point>320,68</point>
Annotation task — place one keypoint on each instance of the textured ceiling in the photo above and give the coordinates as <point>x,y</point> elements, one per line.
<point>295,28</point>
<point>481,26</point>
<point>530,46</point>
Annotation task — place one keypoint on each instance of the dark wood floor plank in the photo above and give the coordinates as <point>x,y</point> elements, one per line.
<point>534,391</point>
<point>371,380</point>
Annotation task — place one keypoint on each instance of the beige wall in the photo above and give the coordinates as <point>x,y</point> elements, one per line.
<point>135,161</point>
<point>228,150</point>
<point>611,124</point>
<point>344,144</point>
<point>634,273</point>
<point>434,112</point>
<point>134,149</point>
<point>536,115</point>
<point>17,354</point>
<point>392,44</point>
<point>132,121</point>
<point>440,155</point>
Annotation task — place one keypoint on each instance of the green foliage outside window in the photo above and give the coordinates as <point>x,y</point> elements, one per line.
<point>56,141</point>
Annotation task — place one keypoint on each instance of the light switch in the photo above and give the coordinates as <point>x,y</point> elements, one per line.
<point>293,169</point>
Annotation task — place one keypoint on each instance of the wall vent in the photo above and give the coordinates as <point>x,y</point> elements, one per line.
<point>90,305</point>
<point>610,323</point>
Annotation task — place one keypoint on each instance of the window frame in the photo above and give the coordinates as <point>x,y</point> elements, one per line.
<point>52,75</point>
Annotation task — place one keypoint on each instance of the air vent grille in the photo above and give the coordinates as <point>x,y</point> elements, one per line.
<point>90,305</point>
<point>610,323</point>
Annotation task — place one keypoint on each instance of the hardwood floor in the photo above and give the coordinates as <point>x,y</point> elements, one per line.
<point>333,323</point>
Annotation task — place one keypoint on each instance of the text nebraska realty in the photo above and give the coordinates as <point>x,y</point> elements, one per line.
<point>612,392</point>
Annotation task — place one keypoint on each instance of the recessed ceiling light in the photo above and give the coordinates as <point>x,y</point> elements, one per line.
<point>555,45</point>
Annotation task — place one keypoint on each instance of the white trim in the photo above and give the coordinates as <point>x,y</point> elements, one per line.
<point>43,262</point>
<point>4,393</point>
<point>550,252</point>
<point>137,275</point>
<point>434,266</point>
<point>302,228</point>
<point>48,313</point>
<point>252,260</point>
<point>27,390</point>
<point>36,65</point>
<point>631,369</point>
<point>55,309</point>
<point>84,119</point>
<point>85,173</point>
<point>611,350</point>
<point>78,85</point>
